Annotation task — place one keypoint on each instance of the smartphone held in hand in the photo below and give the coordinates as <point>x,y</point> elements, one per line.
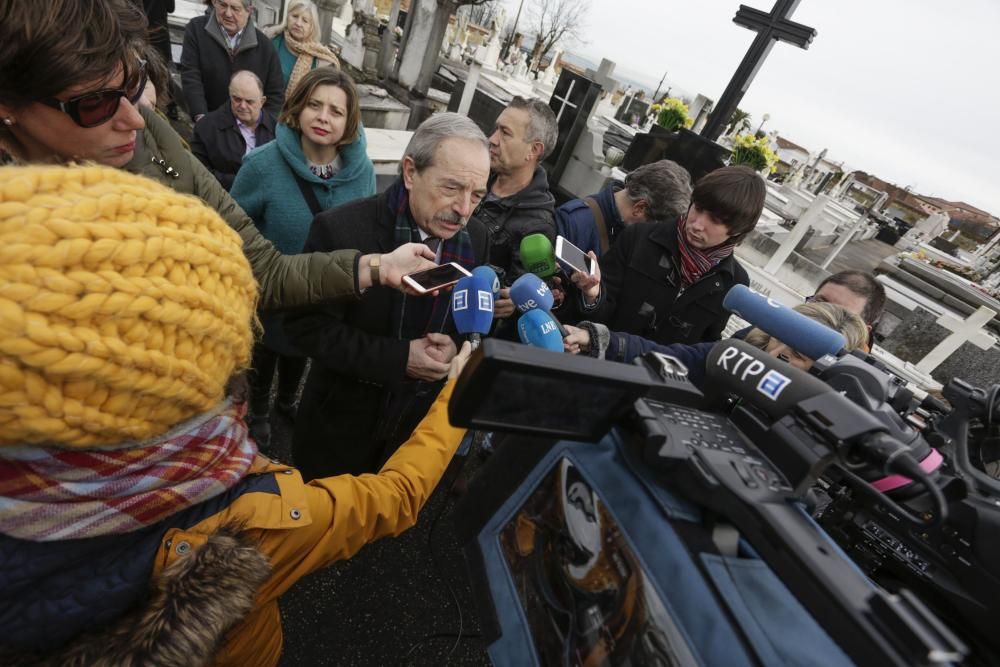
<point>445,275</point>
<point>572,258</point>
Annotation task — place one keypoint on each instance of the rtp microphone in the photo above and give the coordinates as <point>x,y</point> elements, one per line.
<point>538,256</point>
<point>491,278</point>
<point>538,329</point>
<point>472,307</point>
<point>794,329</point>
<point>776,388</point>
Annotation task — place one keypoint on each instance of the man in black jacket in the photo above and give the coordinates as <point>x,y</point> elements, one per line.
<point>217,45</point>
<point>225,135</point>
<point>518,202</point>
<point>666,281</point>
<point>378,363</point>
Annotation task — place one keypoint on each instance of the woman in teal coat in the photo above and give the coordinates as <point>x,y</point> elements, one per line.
<point>317,161</point>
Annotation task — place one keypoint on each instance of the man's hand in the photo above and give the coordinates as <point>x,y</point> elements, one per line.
<point>424,361</point>
<point>406,259</point>
<point>577,340</point>
<point>458,363</point>
<point>589,284</point>
<point>504,306</point>
<point>558,293</point>
<point>442,347</point>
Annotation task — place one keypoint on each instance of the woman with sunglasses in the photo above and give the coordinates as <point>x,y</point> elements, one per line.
<point>71,75</point>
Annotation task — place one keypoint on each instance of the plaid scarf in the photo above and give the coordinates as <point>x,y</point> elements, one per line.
<point>49,494</point>
<point>696,262</point>
<point>457,249</point>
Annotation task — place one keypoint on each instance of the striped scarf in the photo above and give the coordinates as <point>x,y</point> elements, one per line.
<point>696,262</point>
<point>49,494</point>
<point>457,249</point>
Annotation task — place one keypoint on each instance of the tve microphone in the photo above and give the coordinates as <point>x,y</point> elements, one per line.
<point>794,329</point>
<point>529,292</point>
<point>472,307</point>
<point>538,329</point>
<point>491,278</point>
<point>538,256</point>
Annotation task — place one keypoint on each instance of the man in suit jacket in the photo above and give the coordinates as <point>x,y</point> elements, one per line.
<point>225,135</point>
<point>379,362</point>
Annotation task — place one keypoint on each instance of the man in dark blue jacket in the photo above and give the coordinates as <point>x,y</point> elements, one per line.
<point>654,192</point>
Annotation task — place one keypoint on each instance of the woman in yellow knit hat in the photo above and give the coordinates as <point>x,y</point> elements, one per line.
<point>71,75</point>
<point>138,524</point>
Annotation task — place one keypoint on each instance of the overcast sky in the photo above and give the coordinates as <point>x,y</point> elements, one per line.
<point>906,89</point>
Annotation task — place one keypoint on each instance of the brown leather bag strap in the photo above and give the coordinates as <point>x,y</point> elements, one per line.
<point>602,227</point>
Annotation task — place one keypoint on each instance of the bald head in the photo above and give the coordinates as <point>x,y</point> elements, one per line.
<point>246,97</point>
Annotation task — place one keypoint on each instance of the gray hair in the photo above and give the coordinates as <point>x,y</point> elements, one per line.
<point>313,12</point>
<point>429,135</point>
<point>260,84</point>
<point>542,125</point>
<point>666,187</point>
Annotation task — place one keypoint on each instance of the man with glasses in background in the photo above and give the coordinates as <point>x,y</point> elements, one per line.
<point>219,44</point>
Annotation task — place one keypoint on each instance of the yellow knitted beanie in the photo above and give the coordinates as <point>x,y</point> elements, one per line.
<point>124,306</point>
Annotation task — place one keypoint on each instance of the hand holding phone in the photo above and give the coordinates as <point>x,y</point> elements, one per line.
<point>444,275</point>
<point>572,258</point>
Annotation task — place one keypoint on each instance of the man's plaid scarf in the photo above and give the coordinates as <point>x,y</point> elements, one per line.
<point>457,249</point>
<point>49,494</point>
<point>696,262</point>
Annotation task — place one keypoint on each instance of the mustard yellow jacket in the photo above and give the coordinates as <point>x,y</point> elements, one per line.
<point>309,526</point>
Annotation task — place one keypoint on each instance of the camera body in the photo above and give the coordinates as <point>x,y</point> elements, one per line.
<point>755,473</point>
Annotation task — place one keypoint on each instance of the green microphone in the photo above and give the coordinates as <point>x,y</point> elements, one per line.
<point>538,256</point>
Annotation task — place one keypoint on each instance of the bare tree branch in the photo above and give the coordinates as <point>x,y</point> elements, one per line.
<point>556,22</point>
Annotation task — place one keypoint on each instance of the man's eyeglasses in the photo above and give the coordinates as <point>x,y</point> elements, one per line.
<point>97,108</point>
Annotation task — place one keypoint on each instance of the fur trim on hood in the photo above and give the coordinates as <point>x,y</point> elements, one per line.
<point>183,621</point>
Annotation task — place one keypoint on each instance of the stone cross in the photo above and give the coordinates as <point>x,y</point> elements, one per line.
<point>809,219</point>
<point>967,330</point>
<point>771,27</point>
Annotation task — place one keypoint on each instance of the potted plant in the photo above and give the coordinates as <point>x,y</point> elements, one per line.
<point>754,153</point>
<point>672,114</point>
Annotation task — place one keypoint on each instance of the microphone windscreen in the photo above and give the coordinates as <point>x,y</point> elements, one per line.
<point>530,292</point>
<point>736,367</point>
<point>472,305</point>
<point>794,329</point>
<point>538,256</point>
<point>538,329</point>
<point>491,278</point>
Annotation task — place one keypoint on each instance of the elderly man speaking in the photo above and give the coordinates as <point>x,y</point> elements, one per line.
<point>378,363</point>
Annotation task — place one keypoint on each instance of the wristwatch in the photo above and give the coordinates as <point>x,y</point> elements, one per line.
<point>373,265</point>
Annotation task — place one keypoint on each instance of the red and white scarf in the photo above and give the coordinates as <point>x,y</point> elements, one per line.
<point>696,262</point>
<point>49,494</point>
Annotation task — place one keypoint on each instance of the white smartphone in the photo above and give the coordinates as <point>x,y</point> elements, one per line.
<point>572,258</point>
<point>441,276</point>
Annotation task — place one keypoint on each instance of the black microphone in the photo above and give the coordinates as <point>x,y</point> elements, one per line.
<point>779,390</point>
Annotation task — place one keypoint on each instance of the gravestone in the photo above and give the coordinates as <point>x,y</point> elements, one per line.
<point>693,152</point>
<point>484,108</point>
<point>633,111</point>
<point>573,102</point>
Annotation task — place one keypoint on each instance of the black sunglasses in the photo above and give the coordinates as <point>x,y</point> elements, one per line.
<point>97,108</point>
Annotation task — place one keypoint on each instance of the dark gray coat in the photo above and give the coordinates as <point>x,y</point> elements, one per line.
<point>220,146</point>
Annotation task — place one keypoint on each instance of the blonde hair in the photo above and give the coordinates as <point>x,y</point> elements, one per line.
<point>125,307</point>
<point>838,318</point>
<point>310,7</point>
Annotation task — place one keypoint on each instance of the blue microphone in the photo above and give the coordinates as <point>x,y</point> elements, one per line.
<point>538,329</point>
<point>530,292</point>
<point>793,329</point>
<point>472,308</point>
<point>491,278</point>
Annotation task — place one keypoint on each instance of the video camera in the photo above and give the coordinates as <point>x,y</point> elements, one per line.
<point>890,475</point>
